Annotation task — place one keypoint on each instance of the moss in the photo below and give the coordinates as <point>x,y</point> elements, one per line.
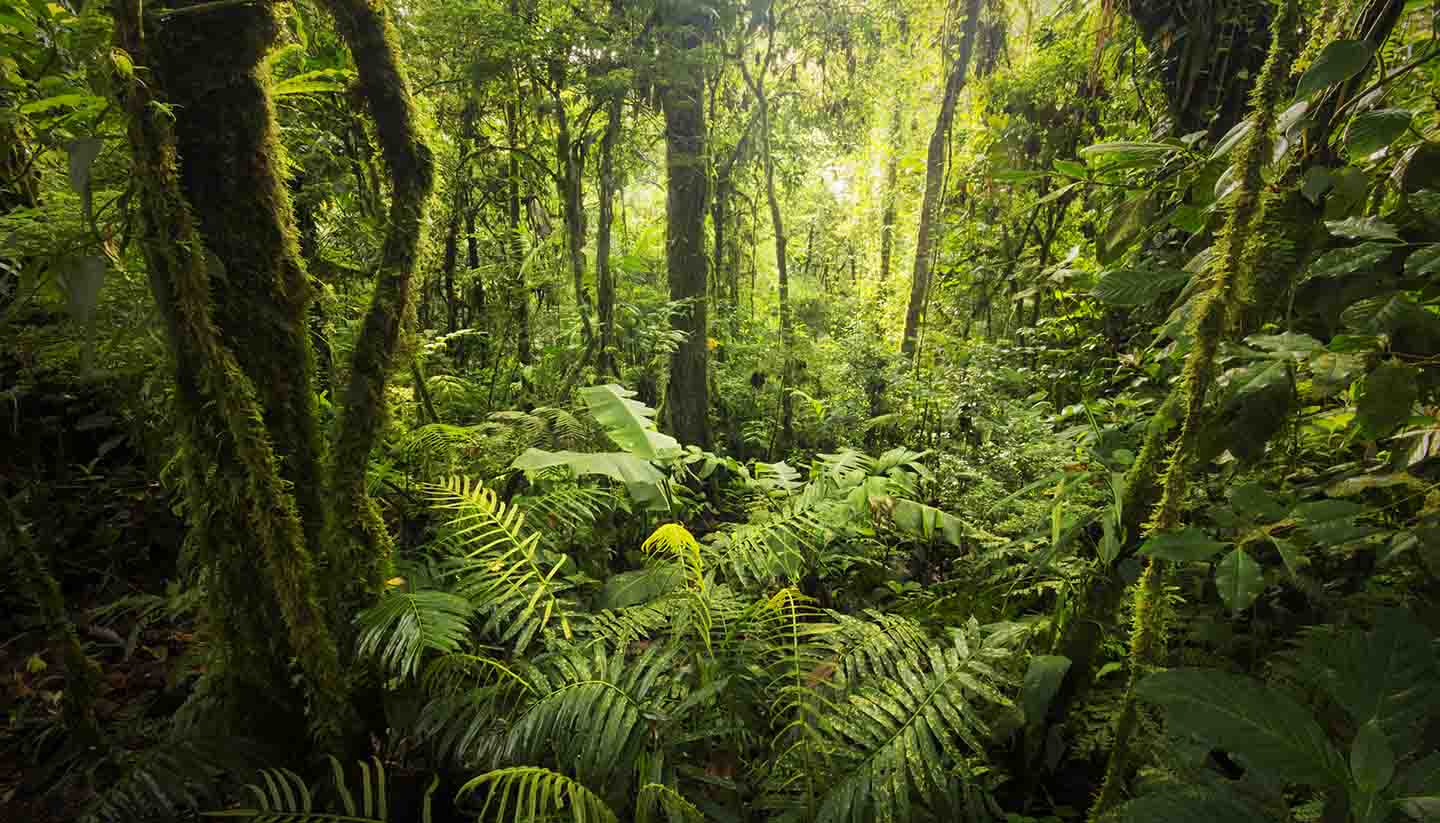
<point>362,553</point>
<point>241,436</point>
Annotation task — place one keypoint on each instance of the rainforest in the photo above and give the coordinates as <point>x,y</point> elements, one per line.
<point>705,411</point>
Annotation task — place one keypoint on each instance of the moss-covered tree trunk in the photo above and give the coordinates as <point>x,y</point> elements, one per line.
<point>363,545</point>
<point>604,275</point>
<point>688,398</point>
<point>219,241</point>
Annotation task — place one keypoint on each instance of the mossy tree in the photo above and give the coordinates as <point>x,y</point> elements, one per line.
<point>268,521</point>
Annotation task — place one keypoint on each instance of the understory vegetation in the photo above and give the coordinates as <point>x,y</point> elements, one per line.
<point>686,410</point>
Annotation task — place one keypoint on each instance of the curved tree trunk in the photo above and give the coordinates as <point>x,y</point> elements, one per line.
<point>224,268</point>
<point>363,557</point>
<point>935,176</point>
<point>892,173</point>
<point>688,398</point>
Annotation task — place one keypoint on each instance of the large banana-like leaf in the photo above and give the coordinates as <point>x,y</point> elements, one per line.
<point>642,480</point>
<point>630,423</point>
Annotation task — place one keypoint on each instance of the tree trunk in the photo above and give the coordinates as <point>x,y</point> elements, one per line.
<point>218,238</point>
<point>604,275</point>
<point>572,204</point>
<point>892,172</point>
<point>688,397</point>
<point>935,177</point>
<point>447,266</point>
<point>520,295</point>
<point>364,543</point>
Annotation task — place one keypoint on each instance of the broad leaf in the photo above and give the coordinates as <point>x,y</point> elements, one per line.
<point>1362,228</point>
<point>1351,259</point>
<point>1339,62</point>
<point>1042,681</point>
<point>643,481</point>
<point>1372,763</point>
<point>629,423</point>
<point>640,586</point>
<point>1127,221</point>
<point>1190,545</point>
<point>1239,579</point>
<point>1137,287</point>
<point>1375,130</point>
<point>1245,717</point>
<point>1424,262</point>
<point>1387,397</point>
<point>1193,804</point>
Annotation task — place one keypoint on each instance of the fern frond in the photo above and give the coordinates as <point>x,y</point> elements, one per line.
<point>500,567</point>
<point>873,648</point>
<point>459,671</point>
<point>776,550</point>
<point>172,777</point>
<point>525,430</point>
<point>567,508</point>
<point>897,735</point>
<point>565,429</point>
<point>285,797</point>
<point>440,445</point>
<point>402,626</point>
<point>675,540</point>
<point>677,809</point>
<point>592,710</point>
<point>531,793</point>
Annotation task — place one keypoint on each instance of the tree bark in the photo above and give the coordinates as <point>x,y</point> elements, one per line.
<point>935,176</point>
<point>892,173</point>
<point>572,203</point>
<point>218,237</point>
<point>520,295</point>
<point>604,275</point>
<point>363,559</point>
<point>688,397</point>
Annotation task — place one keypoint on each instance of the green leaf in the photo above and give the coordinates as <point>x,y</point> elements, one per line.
<point>1125,150</point>
<point>929,522</point>
<point>641,586</point>
<point>1372,764</point>
<point>1339,62</point>
<point>1137,287</point>
<point>1333,373</point>
<point>1189,545</point>
<point>1258,377</point>
<point>1375,130</point>
<point>1424,262</point>
<point>1289,344</point>
<point>1071,168</point>
<point>1261,724</point>
<point>1191,804</point>
<point>324,81</point>
<point>1239,579</point>
<point>629,423</point>
<point>1318,180</point>
<point>61,101</point>
<point>1387,397</point>
<point>1256,502</point>
<point>1294,559</point>
<point>643,481</point>
<point>1351,259</point>
<point>1127,221</point>
<point>1042,682</point>
<point>1362,228</point>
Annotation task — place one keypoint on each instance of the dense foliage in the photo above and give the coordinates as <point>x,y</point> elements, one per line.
<point>983,410</point>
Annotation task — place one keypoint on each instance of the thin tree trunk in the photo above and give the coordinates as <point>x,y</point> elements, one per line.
<point>935,177</point>
<point>572,203</point>
<point>447,266</point>
<point>520,295</point>
<point>688,398</point>
<point>757,87</point>
<point>892,172</point>
<point>604,276</point>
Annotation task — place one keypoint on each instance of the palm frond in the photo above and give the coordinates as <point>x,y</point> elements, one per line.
<point>566,509</point>
<point>897,737</point>
<point>873,647</point>
<point>529,793</point>
<point>565,429</point>
<point>439,446</point>
<point>402,626</point>
<point>500,566</point>
<point>460,671</point>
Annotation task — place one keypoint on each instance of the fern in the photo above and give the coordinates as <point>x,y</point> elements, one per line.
<point>170,778</point>
<point>897,735</point>
<point>591,710</point>
<point>500,566</point>
<point>774,550</point>
<point>677,809</point>
<point>567,508</point>
<point>873,648</point>
<point>402,626</point>
<point>528,793</point>
<point>284,797</point>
